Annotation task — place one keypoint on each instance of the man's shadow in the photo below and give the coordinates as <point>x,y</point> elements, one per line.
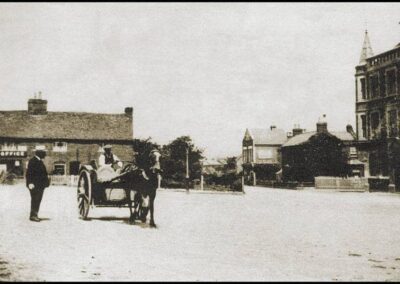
<point>44,219</point>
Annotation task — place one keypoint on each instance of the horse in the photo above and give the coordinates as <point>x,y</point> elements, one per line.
<point>144,184</point>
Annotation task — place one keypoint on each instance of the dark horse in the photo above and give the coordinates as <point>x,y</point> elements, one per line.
<point>144,184</point>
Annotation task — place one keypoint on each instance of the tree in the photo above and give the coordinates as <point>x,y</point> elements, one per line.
<point>230,165</point>
<point>173,160</point>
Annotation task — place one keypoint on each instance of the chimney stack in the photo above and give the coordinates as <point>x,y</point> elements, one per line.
<point>272,127</point>
<point>297,130</point>
<point>129,111</point>
<point>37,105</point>
<point>322,125</point>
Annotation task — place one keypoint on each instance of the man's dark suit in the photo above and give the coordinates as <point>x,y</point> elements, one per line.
<point>37,175</point>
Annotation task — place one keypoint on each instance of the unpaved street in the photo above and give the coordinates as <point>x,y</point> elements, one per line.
<point>265,234</point>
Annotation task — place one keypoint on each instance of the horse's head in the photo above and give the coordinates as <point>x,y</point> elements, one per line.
<point>155,160</point>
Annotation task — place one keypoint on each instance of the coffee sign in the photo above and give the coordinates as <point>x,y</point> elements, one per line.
<point>13,154</point>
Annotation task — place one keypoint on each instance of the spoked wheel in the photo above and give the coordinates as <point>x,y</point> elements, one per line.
<point>84,194</point>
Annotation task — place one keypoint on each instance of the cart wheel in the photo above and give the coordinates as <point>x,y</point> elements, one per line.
<point>84,194</point>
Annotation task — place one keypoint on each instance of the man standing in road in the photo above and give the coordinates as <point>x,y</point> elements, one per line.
<point>37,180</point>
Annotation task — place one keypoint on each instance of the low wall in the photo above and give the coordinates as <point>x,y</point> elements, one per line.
<point>358,184</point>
<point>64,180</point>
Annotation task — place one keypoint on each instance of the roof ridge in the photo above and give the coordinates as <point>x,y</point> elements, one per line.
<point>66,112</point>
<point>66,125</point>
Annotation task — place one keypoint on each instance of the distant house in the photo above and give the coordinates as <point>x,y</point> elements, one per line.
<point>261,152</point>
<point>71,138</point>
<point>212,166</point>
<point>320,153</point>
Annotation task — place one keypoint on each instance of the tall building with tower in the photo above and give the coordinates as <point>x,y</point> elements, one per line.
<point>377,97</point>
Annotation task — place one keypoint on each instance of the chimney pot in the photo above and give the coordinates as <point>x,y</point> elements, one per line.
<point>129,111</point>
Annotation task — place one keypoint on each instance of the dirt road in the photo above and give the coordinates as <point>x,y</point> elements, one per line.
<point>265,234</point>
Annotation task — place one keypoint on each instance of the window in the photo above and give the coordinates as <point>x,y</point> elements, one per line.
<point>393,123</point>
<point>362,84</point>
<point>391,82</point>
<point>247,154</point>
<point>353,152</point>
<point>363,126</point>
<point>59,169</point>
<point>374,124</point>
<point>3,168</point>
<point>374,83</point>
<point>60,147</point>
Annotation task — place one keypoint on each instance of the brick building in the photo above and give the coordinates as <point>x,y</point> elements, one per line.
<point>71,138</point>
<point>320,153</point>
<point>377,93</point>
<point>261,152</point>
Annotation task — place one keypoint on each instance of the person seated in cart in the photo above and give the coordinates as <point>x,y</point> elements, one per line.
<point>107,162</point>
<point>108,158</point>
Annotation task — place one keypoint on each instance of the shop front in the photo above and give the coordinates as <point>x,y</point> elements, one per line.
<point>12,161</point>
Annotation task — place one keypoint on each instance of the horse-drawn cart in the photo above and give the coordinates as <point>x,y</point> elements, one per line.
<point>103,187</point>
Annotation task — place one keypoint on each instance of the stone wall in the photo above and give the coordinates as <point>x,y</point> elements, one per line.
<point>359,184</point>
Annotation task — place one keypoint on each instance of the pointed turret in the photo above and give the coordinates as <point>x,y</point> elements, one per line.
<point>366,50</point>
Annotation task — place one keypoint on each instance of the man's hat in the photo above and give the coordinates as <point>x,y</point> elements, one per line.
<point>40,148</point>
<point>108,146</point>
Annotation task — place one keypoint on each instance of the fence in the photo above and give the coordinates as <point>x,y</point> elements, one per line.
<point>353,183</point>
<point>64,180</point>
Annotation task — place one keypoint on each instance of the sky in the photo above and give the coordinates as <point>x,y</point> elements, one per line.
<point>207,70</point>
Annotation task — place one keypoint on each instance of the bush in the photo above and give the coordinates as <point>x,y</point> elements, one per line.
<point>231,181</point>
<point>237,185</point>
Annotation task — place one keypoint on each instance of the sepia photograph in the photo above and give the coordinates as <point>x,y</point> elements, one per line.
<point>199,141</point>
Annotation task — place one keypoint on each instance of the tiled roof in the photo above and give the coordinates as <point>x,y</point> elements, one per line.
<point>66,125</point>
<point>212,162</point>
<point>304,137</point>
<point>343,135</point>
<point>267,136</point>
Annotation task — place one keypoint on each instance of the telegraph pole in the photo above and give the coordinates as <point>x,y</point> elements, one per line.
<point>187,168</point>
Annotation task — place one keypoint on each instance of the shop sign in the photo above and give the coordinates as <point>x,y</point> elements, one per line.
<point>13,154</point>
